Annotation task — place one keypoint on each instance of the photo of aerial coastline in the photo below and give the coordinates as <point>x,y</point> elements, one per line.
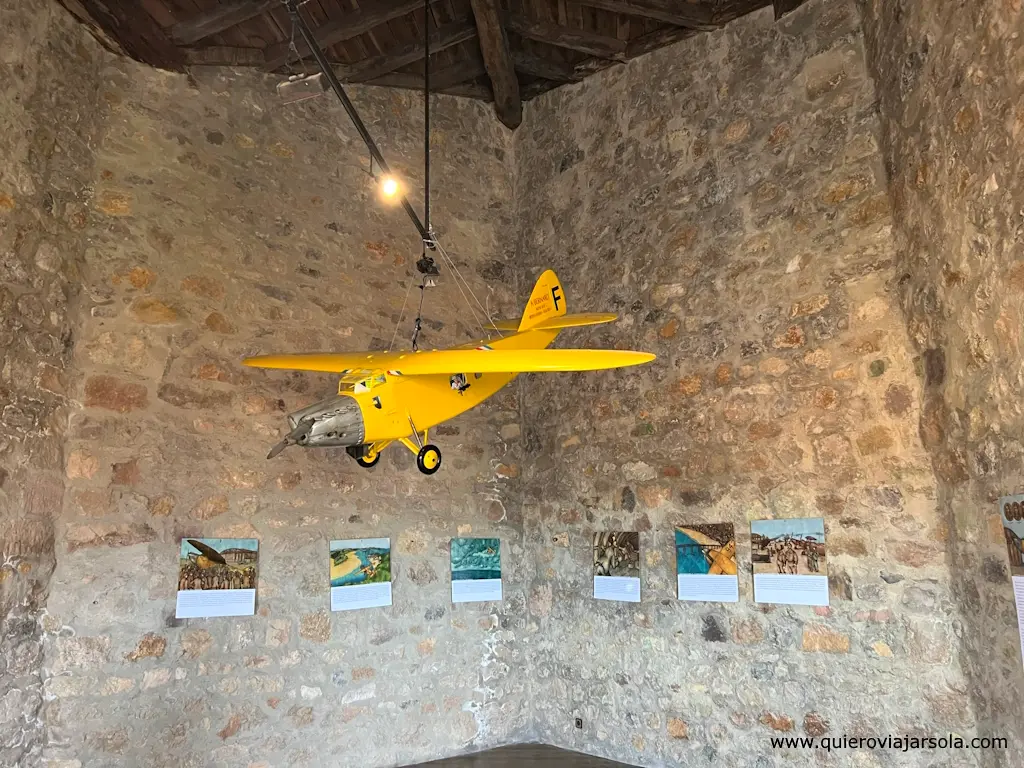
<point>360,561</point>
<point>474,559</point>
<point>706,549</point>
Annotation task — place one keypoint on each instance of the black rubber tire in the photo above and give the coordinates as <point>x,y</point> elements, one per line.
<point>424,459</point>
<point>367,464</point>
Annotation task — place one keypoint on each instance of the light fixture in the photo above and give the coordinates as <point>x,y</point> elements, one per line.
<point>389,187</point>
<point>301,87</point>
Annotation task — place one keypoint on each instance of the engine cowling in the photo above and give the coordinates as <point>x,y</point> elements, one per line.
<point>336,421</point>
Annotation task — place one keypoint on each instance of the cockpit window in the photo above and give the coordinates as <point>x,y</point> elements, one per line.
<point>369,383</point>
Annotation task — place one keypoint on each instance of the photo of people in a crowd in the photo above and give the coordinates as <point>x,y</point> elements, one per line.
<point>217,564</point>
<point>788,547</point>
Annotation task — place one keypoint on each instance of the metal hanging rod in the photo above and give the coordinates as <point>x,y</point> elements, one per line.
<point>332,79</point>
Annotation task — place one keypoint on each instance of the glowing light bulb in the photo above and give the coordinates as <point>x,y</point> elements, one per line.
<point>389,187</point>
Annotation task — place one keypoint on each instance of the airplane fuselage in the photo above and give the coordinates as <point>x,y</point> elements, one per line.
<point>387,407</point>
<point>379,403</point>
<point>391,409</point>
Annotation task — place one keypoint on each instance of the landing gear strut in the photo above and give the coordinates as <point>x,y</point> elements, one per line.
<point>428,456</point>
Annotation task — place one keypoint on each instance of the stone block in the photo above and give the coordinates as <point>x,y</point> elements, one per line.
<point>114,394</point>
<point>315,627</point>
<point>149,646</point>
<point>776,722</point>
<point>108,535</point>
<point>821,639</point>
<point>152,311</point>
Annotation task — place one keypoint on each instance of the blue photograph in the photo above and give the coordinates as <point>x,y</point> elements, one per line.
<point>474,559</point>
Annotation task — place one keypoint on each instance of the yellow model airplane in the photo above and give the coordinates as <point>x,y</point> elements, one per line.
<point>386,397</point>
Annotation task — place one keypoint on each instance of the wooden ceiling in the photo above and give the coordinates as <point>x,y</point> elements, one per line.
<point>505,51</point>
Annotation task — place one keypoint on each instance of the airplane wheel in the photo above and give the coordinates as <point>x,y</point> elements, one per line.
<point>428,460</point>
<point>363,462</point>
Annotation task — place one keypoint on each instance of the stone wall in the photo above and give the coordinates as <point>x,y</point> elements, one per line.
<point>224,224</point>
<point>949,80</point>
<point>47,92</point>
<point>727,197</point>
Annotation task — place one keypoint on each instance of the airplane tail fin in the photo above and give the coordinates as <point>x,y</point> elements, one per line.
<point>547,301</point>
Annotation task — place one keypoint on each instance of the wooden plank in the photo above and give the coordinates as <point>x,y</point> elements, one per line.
<point>345,27</point>
<point>498,62</point>
<point>470,91</point>
<point>450,34</point>
<point>782,7</point>
<point>538,66</point>
<point>218,19</point>
<point>588,67</point>
<point>161,14</point>
<point>537,87</point>
<point>440,80</point>
<point>136,32</point>
<point>657,39</point>
<point>466,90</point>
<point>566,37</point>
<point>101,35</point>
<point>224,56</point>
<point>669,11</point>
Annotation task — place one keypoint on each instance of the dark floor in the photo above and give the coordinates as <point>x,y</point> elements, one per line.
<point>537,755</point>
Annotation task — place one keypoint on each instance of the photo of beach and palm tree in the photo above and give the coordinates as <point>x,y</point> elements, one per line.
<point>476,559</point>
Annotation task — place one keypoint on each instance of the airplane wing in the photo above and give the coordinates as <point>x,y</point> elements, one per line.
<point>563,321</point>
<point>457,361</point>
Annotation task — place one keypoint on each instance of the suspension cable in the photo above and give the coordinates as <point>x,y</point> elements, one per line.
<point>419,316</point>
<point>450,263</point>
<point>426,120</point>
<point>401,317</point>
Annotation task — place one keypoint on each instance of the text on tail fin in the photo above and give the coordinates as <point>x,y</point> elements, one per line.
<point>546,301</point>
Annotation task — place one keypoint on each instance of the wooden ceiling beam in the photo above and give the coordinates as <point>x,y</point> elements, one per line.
<point>782,7</point>
<point>470,91</point>
<point>224,56</point>
<point>537,87</point>
<point>218,19</point>
<point>443,79</point>
<point>368,69</point>
<point>345,27</point>
<point>657,39</point>
<point>136,32</point>
<point>680,14</point>
<point>549,69</point>
<point>498,62</point>
<point>566,37</point>
<point>443,38</point>
<point>466,90</point>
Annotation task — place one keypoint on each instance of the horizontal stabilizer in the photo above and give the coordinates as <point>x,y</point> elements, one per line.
<point>563,321</point>
<point>451,361</point>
